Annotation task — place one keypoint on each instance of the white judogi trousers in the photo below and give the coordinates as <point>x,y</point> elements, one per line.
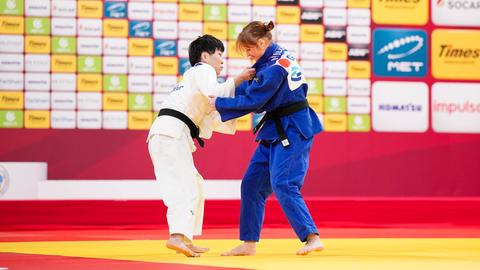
<point>182,185</point>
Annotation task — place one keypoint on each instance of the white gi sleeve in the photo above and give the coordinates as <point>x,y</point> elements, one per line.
<point>205,79</point>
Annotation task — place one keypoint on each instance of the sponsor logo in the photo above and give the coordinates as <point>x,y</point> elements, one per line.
<point>165,11</point>
<point>115,101</point>
<point>165,65</point>
<point>311,15</point>
<point>92,46</point>
<point>89,82</point>
<point>335,105</point>
<point>316,103</point>
<point>335,51</point>
<point>11,44</point>
<point>140,83</point>
<point>63,45</point>
<point>335,87</point>
<point>215,13</point>
<point>115,46</point>
<point>11,119</point>
<point>37,8</point>
<point>287,2</point>
<point>139,120</point>
<point>190,12</point>
<point>140,11</point>
<point>335,16</point>
<point>90,64</point>
<point>140,46</point>
<point>183,65</point>
<point>11,62</point>
<point>89,101</point>
<point>335,69</point>
<point>315,86</point>
<point>115,10</point>
<point>313,51</point>
<point>400,52</point>
<point>37,119</point>
<point>37,100</point>
<point>63,100</point>
<point>358,35</point>
<point>37,63</point>
<point>90,27</point>
<point>288,14</point>
<point>358,16</point>
<point>11,25</point>
<point>63,82</point>
<point>456,54</point>
<point>403,12</point>
<point>400,106</point>
<point>358,123</point>
<point>64,27</point>
<point>358,105</point>
<point>61,8</point>
<point>165,30</point>
<point>358,87</point>
<point>335,3</point>
<point>456,107</point>
<point>114,120</point>
<point>164,84</point>
<point>288,32</point>
<point>63,119</point>
<point>11,100</point>
<point>115,64</point>
<point>140,102</point>
<point>262,13</point>
<point>115,82</point>
<point>190,30</point>
<point>217,29</point>
<point>37,26</point>
<point>239,13</point>
<point>140,65</point>
<point>11,7</point>
<point>37,44</point>
<point>140,29</point>
<point>309,33</point>
<point>335,34</point>
<point>64,63</point>
<point>456,12</point>
<point>89,119</point>
<point>115,28</point>
<point>359,69</point>
<point>11,81</point>
<point>335,122</point>
<point>311,69</point>
<point>90,9</point>
<point>358,52</point>
<point>37,81</point>
<point>4,180</point>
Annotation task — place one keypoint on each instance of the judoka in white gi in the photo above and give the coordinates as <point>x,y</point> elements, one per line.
<point>186,115</point>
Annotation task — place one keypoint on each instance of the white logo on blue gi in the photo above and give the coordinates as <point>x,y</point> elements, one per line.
<point>140,29</point>
<point>115,10</point>
<point>165,48</point>
<point>400,52</point>
<point>4,179</point>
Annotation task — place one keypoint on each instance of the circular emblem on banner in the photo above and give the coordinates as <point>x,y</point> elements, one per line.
<point>4,179</point>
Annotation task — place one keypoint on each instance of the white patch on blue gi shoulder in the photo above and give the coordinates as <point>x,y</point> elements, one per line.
<point>295,75</point>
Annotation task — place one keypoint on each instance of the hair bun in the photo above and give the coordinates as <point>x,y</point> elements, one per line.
<point>269,26</point>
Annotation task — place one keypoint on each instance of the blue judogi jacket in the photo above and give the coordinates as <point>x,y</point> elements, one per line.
<point>278,82</point>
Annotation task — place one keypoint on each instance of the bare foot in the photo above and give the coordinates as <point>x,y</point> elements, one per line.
<point>180,247</point>
<point>313,244</point>
<point>245,249</point>
<point>197,249</point>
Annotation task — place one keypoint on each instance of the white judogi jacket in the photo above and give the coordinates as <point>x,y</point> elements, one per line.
<point>190,97</point>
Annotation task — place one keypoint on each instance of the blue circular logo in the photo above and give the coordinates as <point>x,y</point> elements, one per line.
<point>4,178</point>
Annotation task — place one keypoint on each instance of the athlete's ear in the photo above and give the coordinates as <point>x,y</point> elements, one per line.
<point>204,56</point>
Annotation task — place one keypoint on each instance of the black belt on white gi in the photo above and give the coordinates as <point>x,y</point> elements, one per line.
<point>277,114</point>
<point>194,130</point>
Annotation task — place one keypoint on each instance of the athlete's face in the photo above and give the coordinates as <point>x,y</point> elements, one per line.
<point>215,60</point>
<point>254,52</point>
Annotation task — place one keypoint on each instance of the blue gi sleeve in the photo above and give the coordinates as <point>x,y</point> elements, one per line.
<point>256,95</point>
<point>240,90</point>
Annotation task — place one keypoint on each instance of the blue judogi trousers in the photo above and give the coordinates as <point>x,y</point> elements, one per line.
<point>281,170</point>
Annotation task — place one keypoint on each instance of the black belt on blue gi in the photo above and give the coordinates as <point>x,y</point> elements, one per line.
<point>194,130</point>
<point>277,114</point>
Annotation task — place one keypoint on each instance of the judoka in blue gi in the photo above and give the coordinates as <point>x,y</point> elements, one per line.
<point>285,137</point>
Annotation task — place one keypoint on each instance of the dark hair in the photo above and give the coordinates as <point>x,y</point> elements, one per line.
<point>205,43</point>
<point>252,32</point>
